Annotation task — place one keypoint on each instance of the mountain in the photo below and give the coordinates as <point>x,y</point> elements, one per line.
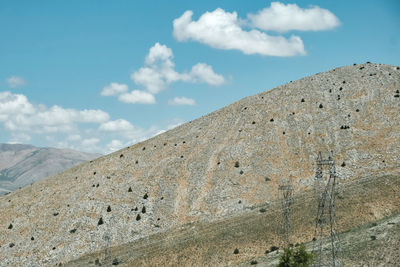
<point>196,193</point>
<point>21,165</point>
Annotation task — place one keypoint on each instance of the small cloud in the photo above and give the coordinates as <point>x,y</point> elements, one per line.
<point>20,138</point>
<point>15,81</point>
<point>114,89</point>
<point>136,96</point>
<point>74,137</point>
<point>223,30</point>
<point>159,71</point>
<point>116,126</point>
<point>114,145</point>
<point>177,101</point>
<point>282,18</point>
<point>90,142</point>
<point>204,73</point>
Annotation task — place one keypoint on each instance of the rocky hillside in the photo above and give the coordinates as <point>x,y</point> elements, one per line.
<point>21,165</point>
<point>192,195</point>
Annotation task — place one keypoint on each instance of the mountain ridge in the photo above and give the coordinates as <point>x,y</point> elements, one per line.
<point>23,164</point>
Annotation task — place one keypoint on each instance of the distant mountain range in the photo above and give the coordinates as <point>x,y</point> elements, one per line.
<point>21,165</point>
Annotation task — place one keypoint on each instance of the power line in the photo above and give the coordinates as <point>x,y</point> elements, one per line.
<point>325,222</point>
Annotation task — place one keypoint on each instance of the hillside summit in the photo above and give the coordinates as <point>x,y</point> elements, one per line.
<point>217,170</point>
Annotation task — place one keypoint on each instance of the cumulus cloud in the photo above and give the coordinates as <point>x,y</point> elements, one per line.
<point>114,89</point>
<point>88,130</point>
<point>136,96</point>
<point>114,145</point>
<point>15,81</point>
<point>18,114</point>
<point>223,30</point>
<point>177,101</point>
<point>117,125</point>
<point>159,71</point>
<point>282,18</point>
<point>157,74</point>
<point>203,72</point>
<point>90,142</point>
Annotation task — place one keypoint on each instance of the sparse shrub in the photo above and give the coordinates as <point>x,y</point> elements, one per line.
<point>72,231</point>
<point>373,237</point>
<point>236,251</point>
<point>115,261</point>
<point>32,238</point>
<point>296,256</point>
<point>267,179</point>
<point>145,196</point>
<point>253,262</point>
<point>237,164</point>
<point>273,248</point>
<point>262,210</point>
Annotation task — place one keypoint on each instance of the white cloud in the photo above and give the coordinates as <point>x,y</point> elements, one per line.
<point>20,138</point>
<point>157,74</point>
<point>18,114</point>
<point>15,81</point>
<point>74,137</point>
<point>84,130</point>
<point>159,71</point>
<point>181,101</point>
<point>114,145</point>
<point>159,53</point>
<point>222,30</point>
<point>117,125</point>
<point>90,142</point>
<point>205,73</point>
<point>114,89</point>
<point>282,18</point>
<point>136,96</point>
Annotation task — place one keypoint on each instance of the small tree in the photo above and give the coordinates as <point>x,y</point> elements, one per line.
<point>296,257</point>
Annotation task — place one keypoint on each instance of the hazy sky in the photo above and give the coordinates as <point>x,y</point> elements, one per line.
<point>100,75</point>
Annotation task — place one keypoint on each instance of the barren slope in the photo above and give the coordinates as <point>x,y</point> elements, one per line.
<point>215,169</point>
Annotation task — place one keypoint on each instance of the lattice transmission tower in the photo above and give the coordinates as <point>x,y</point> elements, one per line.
<point>325,223</point>
<point>286,192</point>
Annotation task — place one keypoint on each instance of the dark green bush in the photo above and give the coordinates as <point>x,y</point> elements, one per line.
<point>296,257</point>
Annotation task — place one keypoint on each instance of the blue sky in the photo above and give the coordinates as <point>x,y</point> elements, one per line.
<point>100,75</point>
